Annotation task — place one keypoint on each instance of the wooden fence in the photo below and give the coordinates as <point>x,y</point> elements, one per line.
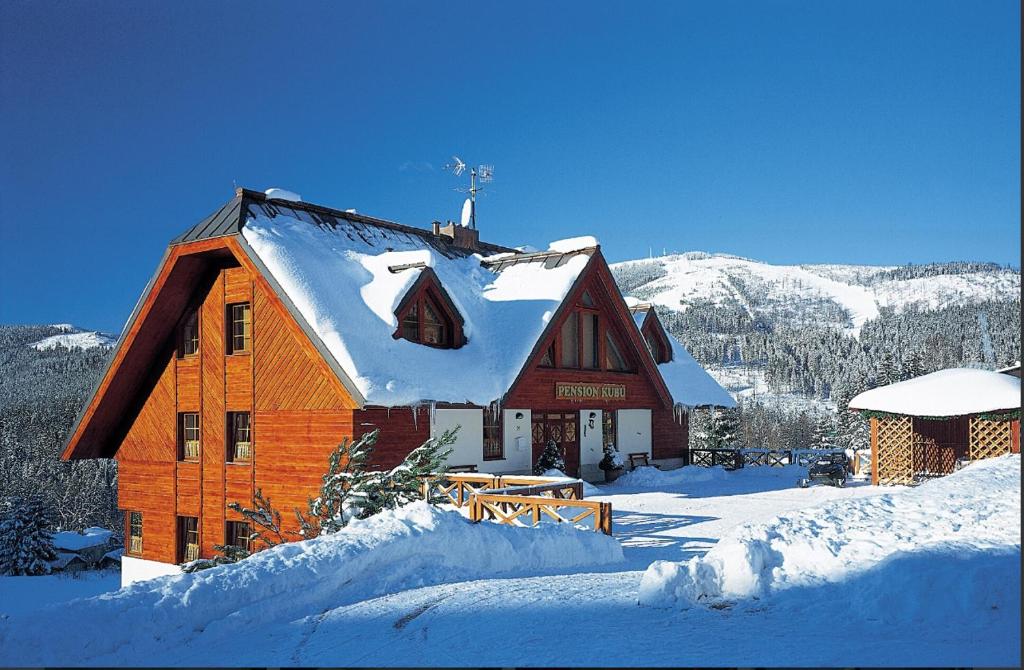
<point>739,458</point>
<point>521,499</point>
<point>530,510</point>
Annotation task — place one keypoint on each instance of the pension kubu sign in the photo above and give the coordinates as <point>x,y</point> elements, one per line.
<point>584,391</point>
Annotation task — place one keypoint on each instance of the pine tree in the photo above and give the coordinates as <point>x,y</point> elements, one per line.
<point>550,459</point>
<point>404,484</point>
<point>824,435</point>
<point>343,485</point>
<point>26,538</point>
<point>724,429</point>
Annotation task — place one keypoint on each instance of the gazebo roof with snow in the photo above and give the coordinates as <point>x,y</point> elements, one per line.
<point>946,393</point>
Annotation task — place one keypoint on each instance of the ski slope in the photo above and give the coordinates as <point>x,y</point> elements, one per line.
<point>680,280</point>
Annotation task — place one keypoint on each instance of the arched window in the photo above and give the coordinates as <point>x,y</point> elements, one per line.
<point>427,316</point>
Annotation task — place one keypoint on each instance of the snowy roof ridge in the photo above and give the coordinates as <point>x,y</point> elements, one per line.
<point>946,393</point>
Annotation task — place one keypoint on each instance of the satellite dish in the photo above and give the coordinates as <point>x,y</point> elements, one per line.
<point>467,212</point>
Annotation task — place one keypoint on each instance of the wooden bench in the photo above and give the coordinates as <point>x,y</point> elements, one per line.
<point>639,458</point>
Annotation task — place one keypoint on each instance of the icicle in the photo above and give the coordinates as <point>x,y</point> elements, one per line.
<point>415,416</point>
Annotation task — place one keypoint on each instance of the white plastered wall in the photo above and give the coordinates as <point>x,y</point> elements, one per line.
<point>139,569</point>
<point>591,449</point>
<point>518,443</point>
<point>468,448</point>
<point>634,432</point>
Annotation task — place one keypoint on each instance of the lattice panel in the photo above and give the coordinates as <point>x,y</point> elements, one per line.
<point>895,450</point>
<point>931,458</point>
<point>989,438</point>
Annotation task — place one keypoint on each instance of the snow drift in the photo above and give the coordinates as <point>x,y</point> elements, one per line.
<point>414,546</point>
<point>945,550</point>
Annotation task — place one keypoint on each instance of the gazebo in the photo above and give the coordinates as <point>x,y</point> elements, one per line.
<point>924,427</point>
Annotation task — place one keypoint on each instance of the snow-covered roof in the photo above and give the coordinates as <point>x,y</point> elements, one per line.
<point>687,380</point>
<point>70,540</point>
<point>346,279</point>
<point>952,392</point>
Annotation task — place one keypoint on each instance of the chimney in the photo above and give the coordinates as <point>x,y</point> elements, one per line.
<point>460,237</point>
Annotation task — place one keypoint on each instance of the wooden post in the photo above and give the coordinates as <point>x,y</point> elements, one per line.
<point>874,451</point>
<point>605,518</point>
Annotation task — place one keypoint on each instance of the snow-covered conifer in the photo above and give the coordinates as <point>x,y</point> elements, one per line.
<point>26,538</point>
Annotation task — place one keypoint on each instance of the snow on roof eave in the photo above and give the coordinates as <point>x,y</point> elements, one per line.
<point>947,393</point>
<point>342,376</point>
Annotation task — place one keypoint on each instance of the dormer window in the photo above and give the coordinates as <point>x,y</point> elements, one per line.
<point>656,339</point>
<point>427,315</point>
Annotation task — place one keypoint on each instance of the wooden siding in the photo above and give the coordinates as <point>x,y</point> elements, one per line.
<point>402,429</point>
<point>291,452</point>
<point>669,436</point>
<point>287,375</point>
<point>148,487</point>
<point>212,330</point>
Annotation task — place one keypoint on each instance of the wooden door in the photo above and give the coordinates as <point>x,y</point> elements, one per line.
<point>563,428</point>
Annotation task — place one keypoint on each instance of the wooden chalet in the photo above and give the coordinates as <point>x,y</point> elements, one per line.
<point>275,328</point>
<point>927,426</point>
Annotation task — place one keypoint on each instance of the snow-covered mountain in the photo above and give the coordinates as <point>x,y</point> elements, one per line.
<point>842,295</point>
<point>71,337</point>
<point>797,337</point>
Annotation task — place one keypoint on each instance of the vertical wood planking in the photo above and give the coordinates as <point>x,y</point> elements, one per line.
<point>212,332</point>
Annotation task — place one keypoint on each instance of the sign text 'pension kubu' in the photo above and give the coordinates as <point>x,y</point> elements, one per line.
<point>585,391</point>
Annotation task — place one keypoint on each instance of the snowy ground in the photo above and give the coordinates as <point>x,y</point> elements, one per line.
<point>24,594</point>
<point>561,614</point>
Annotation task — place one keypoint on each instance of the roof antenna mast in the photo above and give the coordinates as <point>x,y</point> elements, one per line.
<point>483,173</point>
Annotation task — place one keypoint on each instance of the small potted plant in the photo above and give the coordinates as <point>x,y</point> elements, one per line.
<point>611,463</point>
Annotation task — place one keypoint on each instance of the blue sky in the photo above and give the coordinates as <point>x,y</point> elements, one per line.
<point>856,132</point>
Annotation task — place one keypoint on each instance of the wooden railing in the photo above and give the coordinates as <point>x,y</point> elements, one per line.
<point>457,488</point>
<point>738,458</point>
<point>530,510</point>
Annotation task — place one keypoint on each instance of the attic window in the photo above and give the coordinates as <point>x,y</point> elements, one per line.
<point>615,360</point>
<point>426,315</point>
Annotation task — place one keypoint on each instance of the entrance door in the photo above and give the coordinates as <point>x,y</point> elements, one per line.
<point>563,428</point>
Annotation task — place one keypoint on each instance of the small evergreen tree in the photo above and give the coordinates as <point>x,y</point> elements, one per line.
<point>405,483</point>
<point>550,459</point>
<point>344,483</point>
<point>723,429</point>
<point>26,538</point>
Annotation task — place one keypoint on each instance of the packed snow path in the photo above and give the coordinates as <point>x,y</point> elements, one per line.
<point>590,616</point>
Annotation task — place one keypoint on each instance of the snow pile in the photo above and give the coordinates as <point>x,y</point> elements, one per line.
<point>952,392</point>
<point>74,340</point>
<point>340,281</point>
<point>947,549</point>
<point>282,194</point>
<point>410,547</point>
<point>573,244</point>
<point>73,541</point>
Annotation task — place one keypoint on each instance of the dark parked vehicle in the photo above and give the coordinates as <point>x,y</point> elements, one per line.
<point>832,468</point>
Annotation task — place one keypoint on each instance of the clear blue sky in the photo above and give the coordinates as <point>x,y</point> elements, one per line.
<point>856,131</point>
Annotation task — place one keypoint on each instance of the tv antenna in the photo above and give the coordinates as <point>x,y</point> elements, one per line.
<point>481,174</point>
